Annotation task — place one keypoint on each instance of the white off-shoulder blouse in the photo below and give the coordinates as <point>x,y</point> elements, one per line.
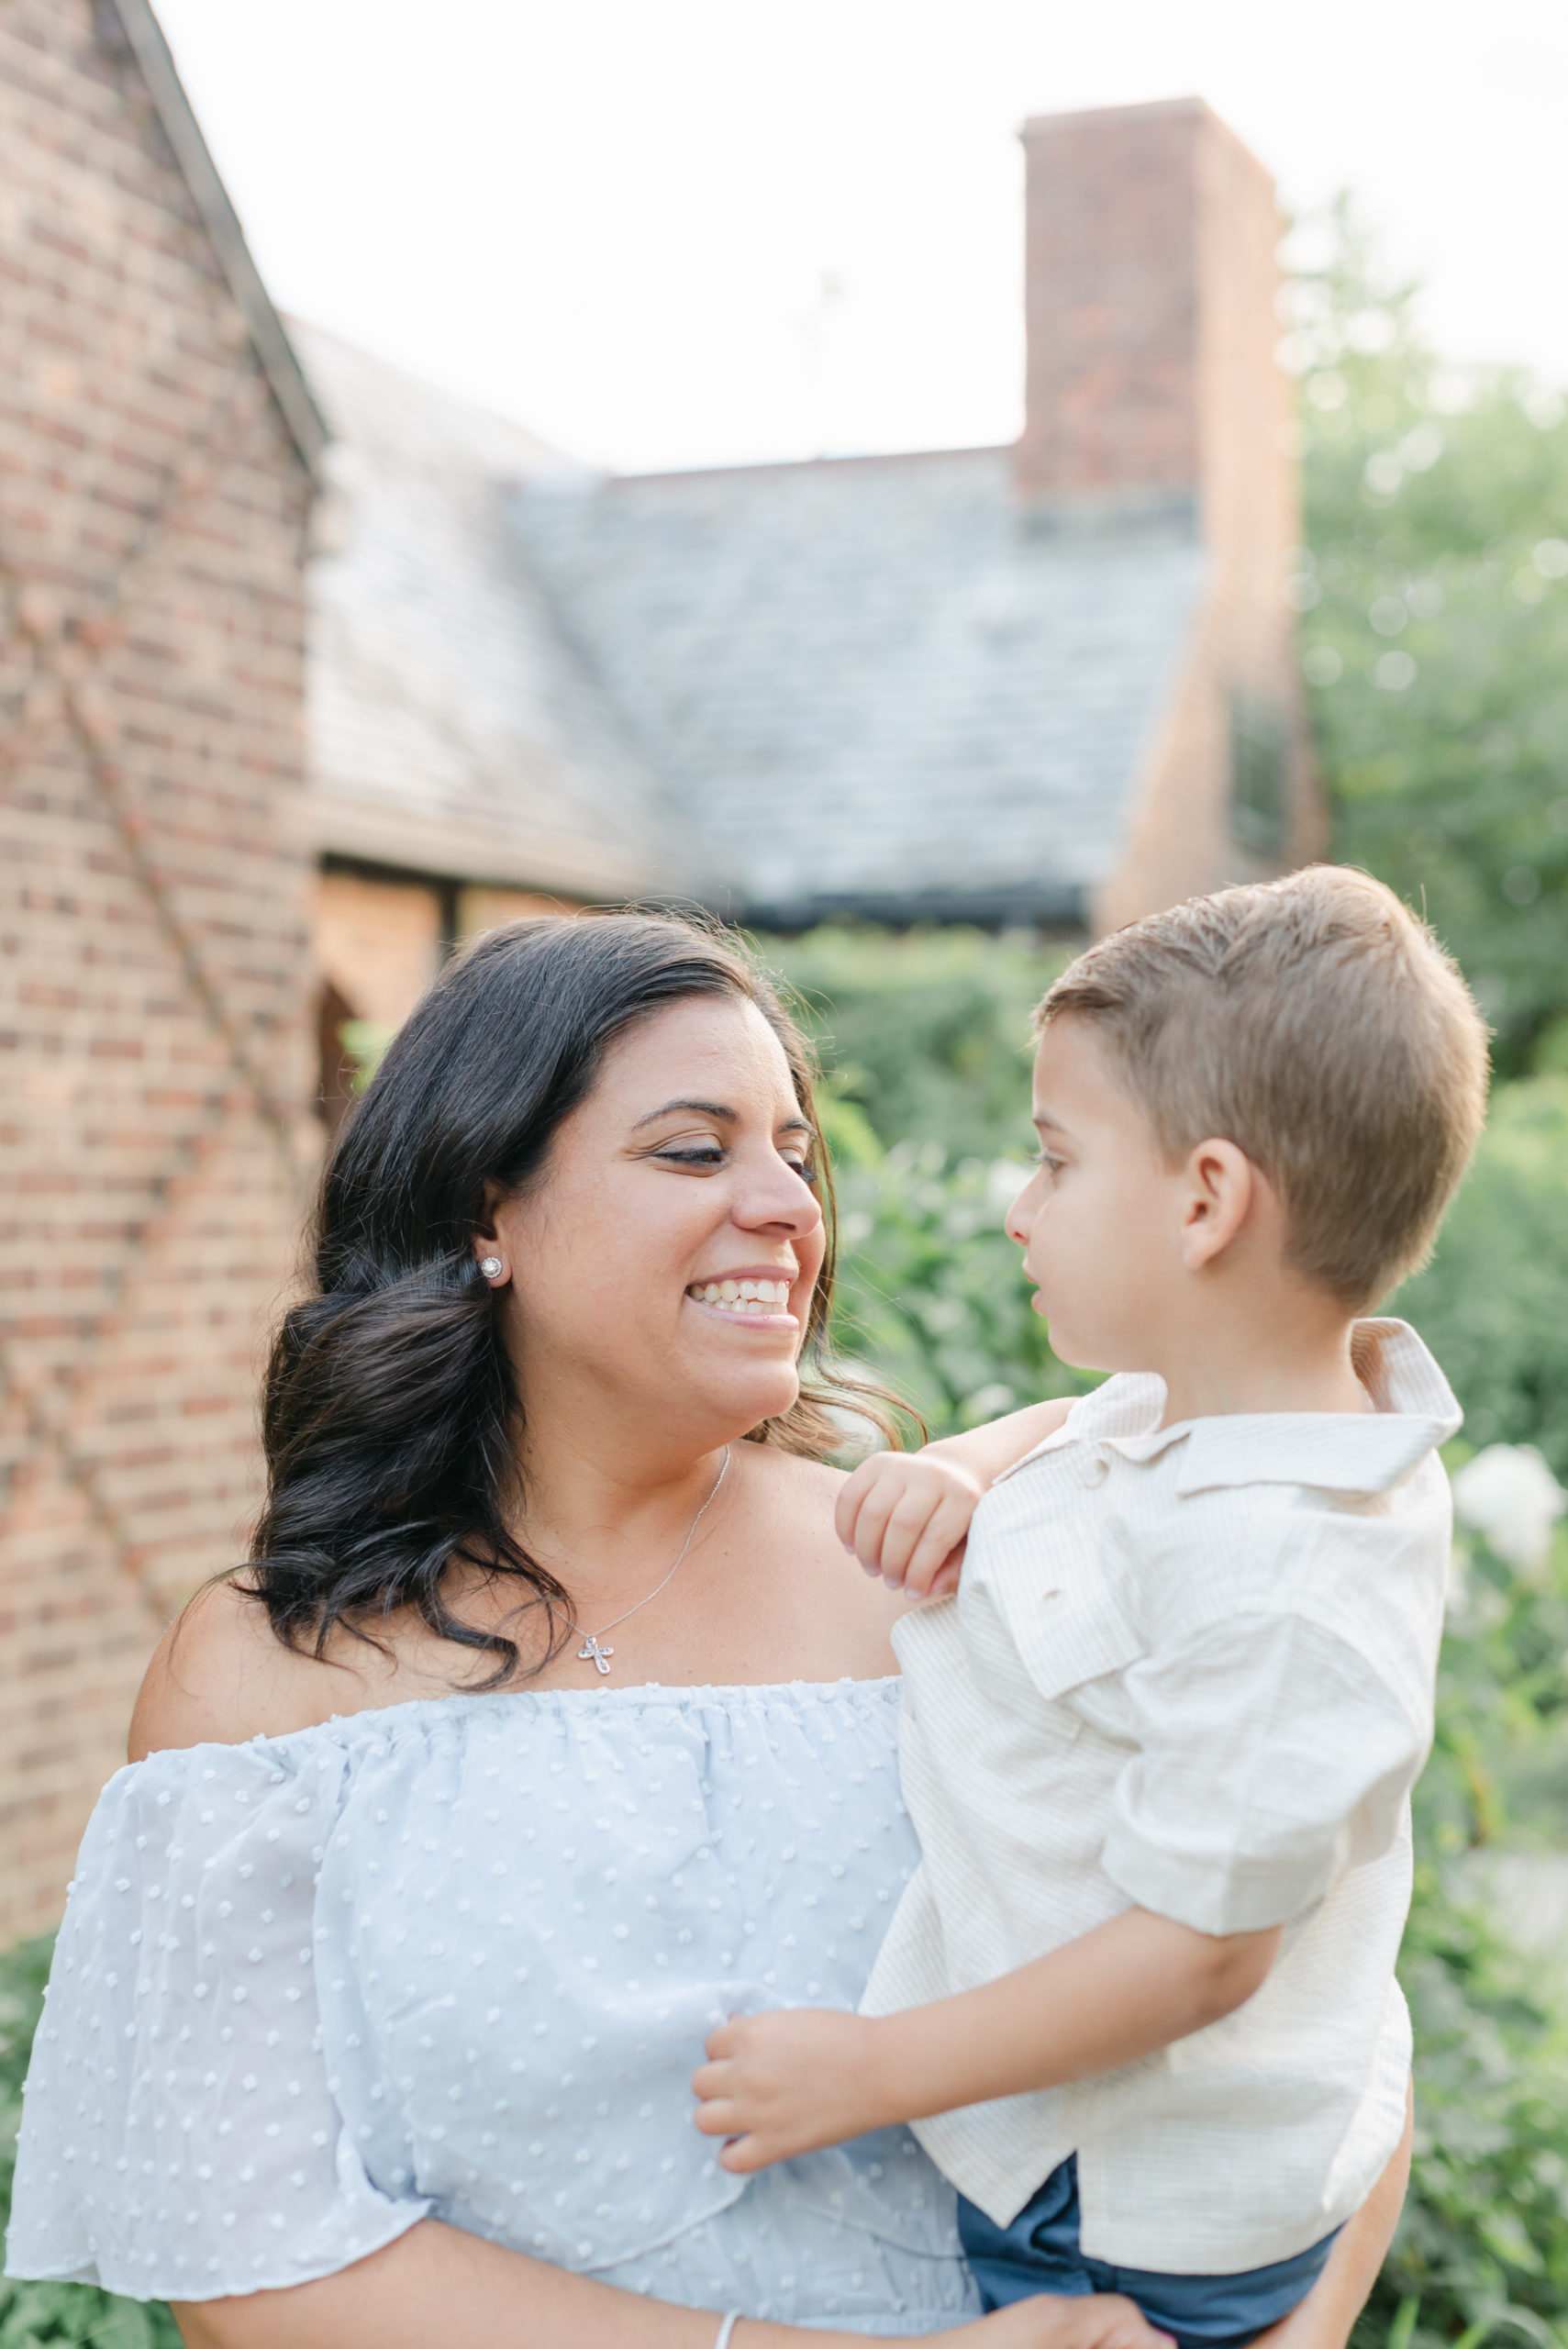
<point>459,1957</point>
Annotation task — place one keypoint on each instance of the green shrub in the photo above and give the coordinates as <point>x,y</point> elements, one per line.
<point>928,1034</point>
<point>932,1295</point>
<point>1493,1305</point>
<point>1482,2248</point>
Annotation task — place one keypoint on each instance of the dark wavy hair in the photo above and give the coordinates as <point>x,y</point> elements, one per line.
<point>390,1413</point>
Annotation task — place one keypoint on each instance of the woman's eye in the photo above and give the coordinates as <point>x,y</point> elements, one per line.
<point>707,1157</point>
<point>803,1167</point>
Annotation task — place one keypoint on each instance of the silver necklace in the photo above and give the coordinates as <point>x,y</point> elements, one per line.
<point>591,1650</point>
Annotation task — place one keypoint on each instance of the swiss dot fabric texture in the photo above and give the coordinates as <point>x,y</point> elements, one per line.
<point>460,1957</point>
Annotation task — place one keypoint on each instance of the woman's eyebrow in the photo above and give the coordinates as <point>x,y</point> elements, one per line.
<point>701,1108</point>
<point>716,1109</point>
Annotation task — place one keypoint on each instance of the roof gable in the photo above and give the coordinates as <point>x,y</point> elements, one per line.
<point>452,729</point>
<point>140,34</point>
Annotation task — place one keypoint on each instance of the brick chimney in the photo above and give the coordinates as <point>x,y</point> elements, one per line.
<point>1151,280</point>
<point>1154,401</point>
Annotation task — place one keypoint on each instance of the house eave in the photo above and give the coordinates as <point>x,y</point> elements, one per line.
<point>1061,907</point>
<point>474,855</point>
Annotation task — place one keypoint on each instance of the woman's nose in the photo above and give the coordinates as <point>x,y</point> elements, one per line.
<point>780,1198</point>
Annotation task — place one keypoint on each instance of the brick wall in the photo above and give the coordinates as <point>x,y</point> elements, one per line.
<point>158,1051</point>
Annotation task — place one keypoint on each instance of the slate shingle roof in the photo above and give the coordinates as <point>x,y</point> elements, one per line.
<point>451,726</point>
<point>865,683</point>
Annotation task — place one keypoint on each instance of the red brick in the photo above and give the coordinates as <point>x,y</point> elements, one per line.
<point>153,1206</point>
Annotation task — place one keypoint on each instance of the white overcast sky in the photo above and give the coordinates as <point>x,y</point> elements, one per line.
<point>685,232</point>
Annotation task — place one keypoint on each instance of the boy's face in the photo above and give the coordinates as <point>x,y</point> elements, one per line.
<point>1101,1222</point>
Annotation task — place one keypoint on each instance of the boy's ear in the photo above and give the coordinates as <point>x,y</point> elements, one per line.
<point>1220,1191</point>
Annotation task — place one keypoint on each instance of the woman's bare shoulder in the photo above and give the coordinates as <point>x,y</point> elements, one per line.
<point>220,1674</point>
<point>796,1472</point>
<point>799,1494</point>
<point>800,1497</point>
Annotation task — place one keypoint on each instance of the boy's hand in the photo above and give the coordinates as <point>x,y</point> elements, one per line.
<point>785,2083</point>
<point>906,1517</point>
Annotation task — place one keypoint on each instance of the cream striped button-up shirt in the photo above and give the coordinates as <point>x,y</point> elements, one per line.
<point>1188,1669</point>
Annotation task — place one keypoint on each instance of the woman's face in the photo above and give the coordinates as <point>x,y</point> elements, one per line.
<point>667,1258</point>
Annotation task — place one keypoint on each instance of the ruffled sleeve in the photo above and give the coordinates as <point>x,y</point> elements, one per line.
<point>182,2137</point>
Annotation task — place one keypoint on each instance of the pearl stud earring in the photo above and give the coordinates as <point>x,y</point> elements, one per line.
<point>489,1266</point>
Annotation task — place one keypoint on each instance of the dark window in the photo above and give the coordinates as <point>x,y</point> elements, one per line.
<point>1260,775</point>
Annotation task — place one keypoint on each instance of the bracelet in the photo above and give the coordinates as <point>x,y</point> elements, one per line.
<point>726,2329</point>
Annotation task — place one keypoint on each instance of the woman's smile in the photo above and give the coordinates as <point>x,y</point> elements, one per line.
<point>759,1299</point>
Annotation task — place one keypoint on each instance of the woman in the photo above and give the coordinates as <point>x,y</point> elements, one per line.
<point>550,1727</point>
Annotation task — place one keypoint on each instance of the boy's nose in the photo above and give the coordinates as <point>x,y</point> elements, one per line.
<point>1019,1221</point>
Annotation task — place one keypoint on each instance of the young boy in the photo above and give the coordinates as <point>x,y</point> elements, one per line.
<point>1138,2001</point>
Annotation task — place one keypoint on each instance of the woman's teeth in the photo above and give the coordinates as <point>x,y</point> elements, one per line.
<point>743,1297</point>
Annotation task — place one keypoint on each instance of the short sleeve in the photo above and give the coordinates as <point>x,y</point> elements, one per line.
<point>180,2139</point>
<point>1271,1758</point>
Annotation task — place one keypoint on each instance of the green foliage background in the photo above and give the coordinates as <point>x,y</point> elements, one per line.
<point>1437,531</point>
<point>1437,528</point>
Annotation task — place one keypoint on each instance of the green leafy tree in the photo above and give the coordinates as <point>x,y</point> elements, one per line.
<point>1434,594</point>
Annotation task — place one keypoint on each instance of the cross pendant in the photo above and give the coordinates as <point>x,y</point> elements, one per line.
<point>592,1652</point>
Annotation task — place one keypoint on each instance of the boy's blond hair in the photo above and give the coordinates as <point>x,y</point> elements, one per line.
<point>1317,1024</point>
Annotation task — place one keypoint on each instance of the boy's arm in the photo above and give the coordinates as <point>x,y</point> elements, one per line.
<point>986,1451</point>
<point>781,2084</point>
<point>905,1515</point>
<point>1271,1753</point>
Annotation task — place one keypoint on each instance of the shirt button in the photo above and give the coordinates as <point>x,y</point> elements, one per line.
<point>1094,1467</point>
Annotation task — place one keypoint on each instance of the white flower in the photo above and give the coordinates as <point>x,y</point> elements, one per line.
<point>1509,1494</point>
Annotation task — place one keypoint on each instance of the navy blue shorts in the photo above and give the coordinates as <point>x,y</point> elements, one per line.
<point>1040,2252</point>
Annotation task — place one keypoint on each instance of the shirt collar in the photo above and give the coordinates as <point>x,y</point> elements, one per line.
<point>1350,1452</point>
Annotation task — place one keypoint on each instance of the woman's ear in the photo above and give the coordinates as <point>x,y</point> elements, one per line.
<point>1220,1190</point>
<point>488,1252</point>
